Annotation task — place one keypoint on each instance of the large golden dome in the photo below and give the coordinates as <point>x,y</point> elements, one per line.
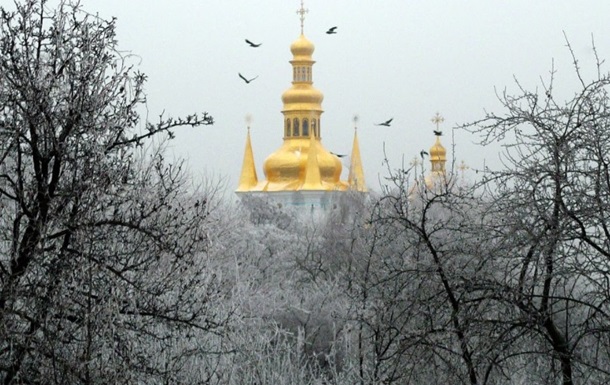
<point>286,168</point>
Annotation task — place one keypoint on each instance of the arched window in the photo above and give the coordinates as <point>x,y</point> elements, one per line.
<point>305,127</point>
<point>287,128</point>
<point>314,128</point>
<point>295,129</point>
<point>308,74</point>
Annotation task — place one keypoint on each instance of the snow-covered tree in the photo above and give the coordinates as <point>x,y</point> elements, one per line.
<point>548,226</point>
<point>103,273</point>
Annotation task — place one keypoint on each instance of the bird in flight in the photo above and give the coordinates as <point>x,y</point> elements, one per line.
<point>253,45</point>
<point>422,153</point>
<point>245,79</point>
<point>338,155</point>
<point>386,123</point>
<point>332,31</point>
<point>438,133</point>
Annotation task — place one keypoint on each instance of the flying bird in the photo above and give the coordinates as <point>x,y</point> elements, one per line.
<point>246,80</point>
<point>338,155</point>
<point>438,133</point>
<point>386,123</point>
<point>422,153</point>
<point>253,45</point>
<point>332,31</point>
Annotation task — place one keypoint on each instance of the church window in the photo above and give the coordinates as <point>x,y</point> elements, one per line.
<point>313,128</point>
<point>305,127</point>
<point>295,129</point>
<point>308,74</point>
<point>301,74</point>
<point>287,128</point>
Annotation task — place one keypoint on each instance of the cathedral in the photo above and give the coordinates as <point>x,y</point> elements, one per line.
<point>302,172</point>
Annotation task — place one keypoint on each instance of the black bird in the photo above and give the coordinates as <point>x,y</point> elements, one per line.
<point>332,31</point>
<point>386,123</point>
<point>338,155</point>
<point>438,133</point>
<point>253,45</point>
<point>422,153</point>
<point>246,80</point>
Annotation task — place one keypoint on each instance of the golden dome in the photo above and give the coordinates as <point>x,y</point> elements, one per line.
<point>438,156</point>
<point>302,48</point>
<point>302,97</point>
<point>437,151</point>
<point>286,167</point>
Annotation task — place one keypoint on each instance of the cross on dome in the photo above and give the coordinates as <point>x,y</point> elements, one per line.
<point>437,119</point>
<point>463,166</point>
<point>301,12</point>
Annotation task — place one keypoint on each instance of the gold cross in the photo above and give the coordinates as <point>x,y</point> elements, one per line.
<point>415,162</point>
<point>301,12</point>
<point>437,119</point>
<point>356,122</point>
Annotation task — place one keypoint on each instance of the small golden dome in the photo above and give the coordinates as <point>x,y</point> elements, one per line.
<point>437,151</point>
<point>302,48</point>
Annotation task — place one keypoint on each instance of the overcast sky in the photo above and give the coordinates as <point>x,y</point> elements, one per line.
<point>390,58</point>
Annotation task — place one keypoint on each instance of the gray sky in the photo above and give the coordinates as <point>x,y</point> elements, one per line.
<point>390,58</point>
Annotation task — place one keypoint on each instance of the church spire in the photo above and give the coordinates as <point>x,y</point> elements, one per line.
<point>356,174</point>
<point>248,178</point>
<point>313,179</point>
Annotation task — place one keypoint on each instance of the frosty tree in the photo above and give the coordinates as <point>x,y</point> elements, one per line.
<point>508,280</point>
<point>550,227</point>
<point>101,267</point>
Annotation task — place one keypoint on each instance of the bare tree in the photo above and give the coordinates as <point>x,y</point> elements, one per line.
<point>548,226</point>
<point>102,247</point>
<point>506,281</point>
